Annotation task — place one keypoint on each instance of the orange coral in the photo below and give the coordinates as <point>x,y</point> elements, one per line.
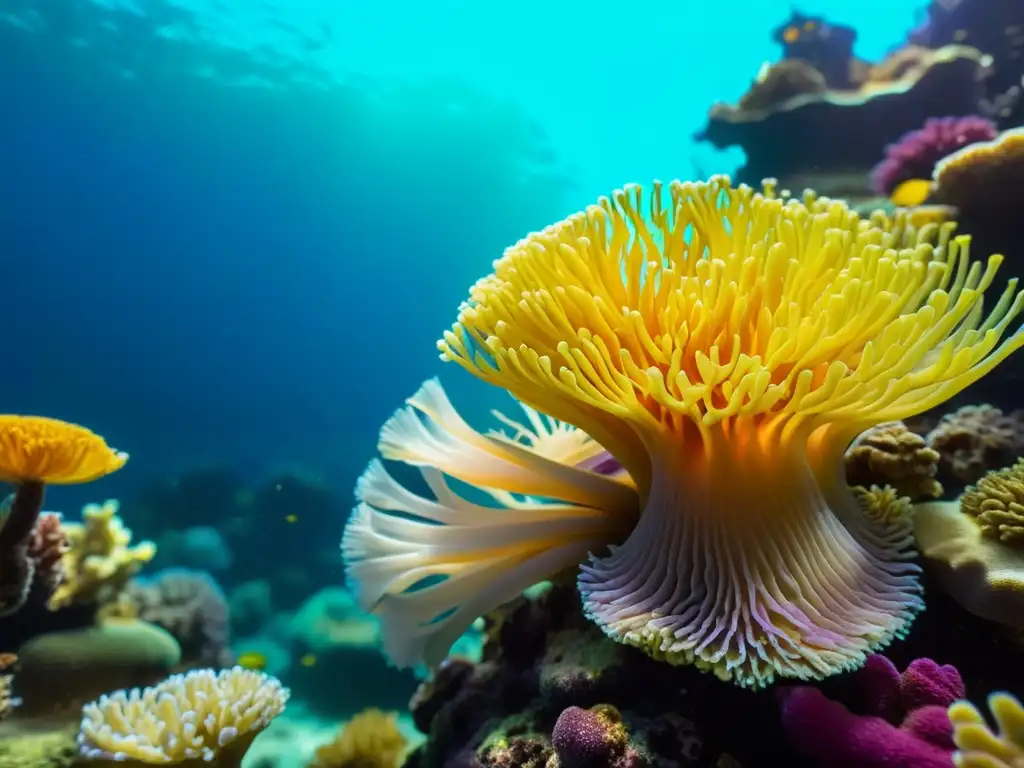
<point>35,448</point>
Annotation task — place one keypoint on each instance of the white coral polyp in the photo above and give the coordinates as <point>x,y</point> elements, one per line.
<point>186,717</point>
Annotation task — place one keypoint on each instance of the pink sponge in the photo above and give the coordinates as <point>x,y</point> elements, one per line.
<point>915,154</point>
<point>905,724</point>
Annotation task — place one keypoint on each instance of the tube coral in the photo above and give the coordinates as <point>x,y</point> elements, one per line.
<point>429,567</point>
<point>202,716</point>
<point>726,346</point>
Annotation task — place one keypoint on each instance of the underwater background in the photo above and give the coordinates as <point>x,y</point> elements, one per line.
<point>231,234</point>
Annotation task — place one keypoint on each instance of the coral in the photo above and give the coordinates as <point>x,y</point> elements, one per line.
<point>190,605</point>
<point>35,451</point>
<point>744,343</point>
<point>59,671</point>
<point>371,739</point>
<point>977,746</point>
<point>915,154</point>
<point>975,545</point>
<point>884,505</point>
<point>204,715</point>
<point>826,47</point>
<point>588,737</point>
<point>781,82</point>
<point>890,454</point>
<point>982,175</point>
<point>332,618</point>
<point>46,549</point>
<point>905,722</point>
<point>26,745</point>
<point>895,97</point>
<point>975,439</point>
<point>200,546</point>
<point>99,560</point>
<point>7,699</point>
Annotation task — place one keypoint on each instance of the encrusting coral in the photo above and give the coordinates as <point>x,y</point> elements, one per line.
<point>99,560</point>
<point>35,451</point>
<point>977,745</point>
<point>371,739</point>
<point>890,454</point>
<point>725,346</point>
<point>975,545</point>
<point>975,439</point>
<point>203,718</point>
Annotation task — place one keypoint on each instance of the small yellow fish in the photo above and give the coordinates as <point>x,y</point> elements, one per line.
<point>308,660</point>
<point>911,192</point>
<point>292,518</point>
<point>252,660</point>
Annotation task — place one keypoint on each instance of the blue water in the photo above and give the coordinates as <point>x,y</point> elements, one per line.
<point>230,233</point>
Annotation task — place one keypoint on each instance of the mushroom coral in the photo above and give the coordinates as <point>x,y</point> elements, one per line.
<point>726,346</point>
<point>34,451</point>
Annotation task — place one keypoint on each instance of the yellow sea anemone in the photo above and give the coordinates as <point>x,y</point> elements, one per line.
<point>726,347</point>
<point>428,567</point>
<point>204,717</point>
<point>38,449</point>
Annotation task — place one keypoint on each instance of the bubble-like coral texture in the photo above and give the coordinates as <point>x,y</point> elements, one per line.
<point>726,346</point>
<point>978,746</point>
<point>35,448</point>
<point>916,153</point>
<point>997,505</point>
<point>203,715</point>
<point>99,559</point>
<point>428,567</point>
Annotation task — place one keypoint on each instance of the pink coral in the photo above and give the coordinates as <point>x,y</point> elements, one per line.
<point>905,725</point>
<point>916,153</point>
<point>46,547</point>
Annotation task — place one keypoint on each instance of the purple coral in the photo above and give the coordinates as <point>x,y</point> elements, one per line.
<point>905,725</point>
<point>583,737</point>
<point>916,153</point>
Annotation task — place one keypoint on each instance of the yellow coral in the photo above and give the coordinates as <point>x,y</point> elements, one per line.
<point>883,505</point>
<point>726,347</point>
<point>977,746</point>
<point>982,175</point>
<point>976,545</point>
<point>99,560</point>
<point>371,739</point>
<point>35,448</point>
<point>203,717</point>
<point>891,454</point>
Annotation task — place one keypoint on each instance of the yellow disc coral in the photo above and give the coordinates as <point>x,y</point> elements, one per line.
<point>203,717</point>
<point>977,746</point>
<point>726,347</point>
<point>34,448</point>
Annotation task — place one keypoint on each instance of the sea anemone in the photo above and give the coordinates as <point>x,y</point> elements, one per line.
<point>202,716</point>
<point>977,745</point>
<point>726,346</point>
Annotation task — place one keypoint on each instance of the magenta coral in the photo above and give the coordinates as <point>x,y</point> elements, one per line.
<point>916,153</point>
<point>582,737</point>
<point>905,725</point>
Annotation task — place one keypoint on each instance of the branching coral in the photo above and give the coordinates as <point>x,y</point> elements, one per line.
<point>975,439</point>
<point>202,716</point>
<point>977,745</point>
<point>726,347</point>
<point>99,560</point>
<point>890,454</point>
<point>371,739</point>
<point>429,567</point>
<point>35,451</point>
<point>976,545</point>
<point>916,153</point>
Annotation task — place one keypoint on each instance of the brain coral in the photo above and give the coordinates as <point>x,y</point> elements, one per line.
<point>725,346</point>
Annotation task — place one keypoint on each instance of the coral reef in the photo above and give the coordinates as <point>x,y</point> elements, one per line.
<point>99,560</point>
<point>59,671</point>
<point>204,715</point>
<point>699,376</point>
<point>36,451</point>
<point>973,440</point>
<point>189,605</point>
<point>827,49</point>
<point>371,739</point>
<point>779,128</point>
<point>7,699</point>
<point>890,454</point>
<point>591,737</point>
<point>33,745</point>
<point>977,746</point>
<point>975,545</point>
<point>905,722</point>
<point>915,154</point>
